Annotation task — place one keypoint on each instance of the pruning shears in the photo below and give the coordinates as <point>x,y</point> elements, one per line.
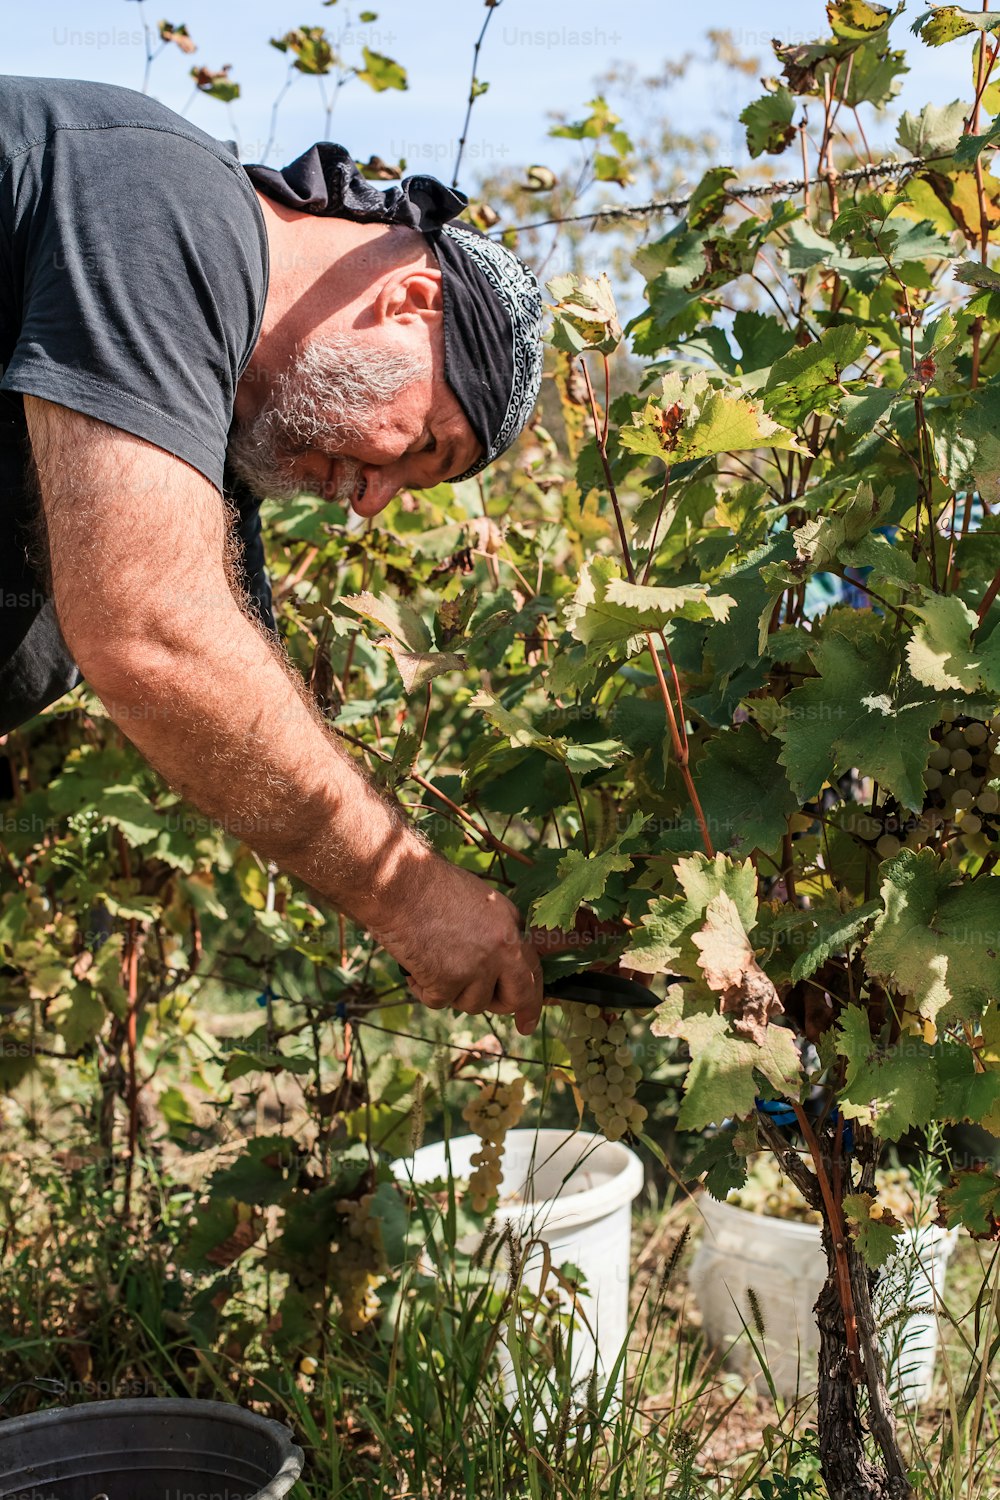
<point>596,987</point>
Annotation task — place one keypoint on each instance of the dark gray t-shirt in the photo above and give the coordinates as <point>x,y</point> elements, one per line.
<point>133,276</point>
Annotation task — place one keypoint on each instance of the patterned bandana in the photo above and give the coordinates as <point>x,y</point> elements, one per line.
<point>492,304</point>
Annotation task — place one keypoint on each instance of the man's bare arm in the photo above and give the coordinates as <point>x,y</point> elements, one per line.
<point>137,543</point>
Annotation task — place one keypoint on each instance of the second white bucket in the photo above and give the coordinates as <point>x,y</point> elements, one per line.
<point>783,1264</point>
<point>574,1191</point>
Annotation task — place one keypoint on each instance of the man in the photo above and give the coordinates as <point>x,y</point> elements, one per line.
<point>178,337</point>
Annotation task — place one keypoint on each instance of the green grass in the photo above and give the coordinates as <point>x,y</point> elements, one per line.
<point>418,1407</point>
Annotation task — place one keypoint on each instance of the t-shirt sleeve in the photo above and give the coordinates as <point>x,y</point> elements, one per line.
<point>144,280</point>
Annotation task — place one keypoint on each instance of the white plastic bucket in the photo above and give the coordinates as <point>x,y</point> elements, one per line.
<point>574,1192</point>
<point>783,1263</point>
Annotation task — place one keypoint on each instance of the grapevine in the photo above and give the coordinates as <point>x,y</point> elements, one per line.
<point>605,1068</point>
<point>494,1110</point>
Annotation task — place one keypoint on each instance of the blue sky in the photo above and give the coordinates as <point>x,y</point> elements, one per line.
<point>538,56</point>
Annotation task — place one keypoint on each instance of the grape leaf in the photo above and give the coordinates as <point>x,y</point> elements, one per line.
<point>583,877</point>
<point>720,1080</point>
<point>875,1238</point>
<point>719,423</point>
<point>663,941</point>
<point>769,122</point>
<point>860,712</point>
<point>823,931</point>
<point>965,1091</point>
<point>972,1199</point>
<point>723,1166</point>
<point>819,540</point>
<point>809,379</point>
<point>936,131</point>
<point>381,72</point>
<point>941,652</point>
<point>394,615</point>
<point>609,614</point>
<point>731,970</point>
<point>945,23</point>
<point>744,791</point>
<point>891,1090</point>
<point>937,938</point>
<point>585,314</point>
<point>417,668</point>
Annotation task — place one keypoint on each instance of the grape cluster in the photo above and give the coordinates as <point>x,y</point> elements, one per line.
<point>606,1071</point>
<point>963,763</point>
<point>359,1263</point>
<point>494,1110</point>
<point>962,797</point>
<point>768,1191</point>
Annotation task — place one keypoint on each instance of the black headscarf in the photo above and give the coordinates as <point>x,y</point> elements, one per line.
<point>492,305</point>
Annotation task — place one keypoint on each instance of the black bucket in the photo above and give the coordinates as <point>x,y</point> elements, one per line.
<point>169,1449</point>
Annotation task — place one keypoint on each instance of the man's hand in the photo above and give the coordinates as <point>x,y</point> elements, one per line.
<point>461,943</point>
<point>143,594</point>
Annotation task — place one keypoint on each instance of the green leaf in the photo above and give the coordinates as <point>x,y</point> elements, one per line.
<point>127,808</point>
<point>664,940</point>
<point>972,273</point>
<point>876,1239</point>
<point>823,932</point>
<point>265,1173</point>
<point>610,616</point>
<point>585,314</point>
<point>744,792</point>
<point>724,1167</point>
<point>710,199</point>
<point>692,420</point>
<point>310,47</point>
<point>972,1199</point>
<point>935,131</point>
<point>809,379</point>
<point>937,939</point>
<point>418,668</point>
<point>720,1081</point>
<point>859,712</point>
<point>380,72</point>
<point>941,653</point>
<point>979,425</point>
<point>965,1090</point>
<point>394,615</point>
<point>769,122</point>
<point>946,23</point>
<point>82,1022</point>
<point>582,878</point>
<point>820,540</point>
<point>891,1090</point>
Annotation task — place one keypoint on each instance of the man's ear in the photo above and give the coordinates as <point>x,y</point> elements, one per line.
<point>412,293</point>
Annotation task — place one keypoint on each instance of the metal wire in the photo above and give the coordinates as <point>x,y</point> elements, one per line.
<point>889,167</point>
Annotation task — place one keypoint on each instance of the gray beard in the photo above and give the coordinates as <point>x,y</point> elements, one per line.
<point>328,397</point>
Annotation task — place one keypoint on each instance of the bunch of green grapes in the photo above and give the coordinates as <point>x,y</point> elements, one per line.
<point>359,1263</point>
<point>494,1110</point>
<point>962,793</point>
<point>768,1191</point>
<point>960,771</point>
<point>605,1069</point>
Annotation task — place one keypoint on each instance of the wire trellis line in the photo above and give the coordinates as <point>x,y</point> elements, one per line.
<point>890,167</point>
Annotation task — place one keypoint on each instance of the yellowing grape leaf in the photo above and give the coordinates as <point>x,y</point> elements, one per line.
<point>664,940</point>
<point>732,971</point>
